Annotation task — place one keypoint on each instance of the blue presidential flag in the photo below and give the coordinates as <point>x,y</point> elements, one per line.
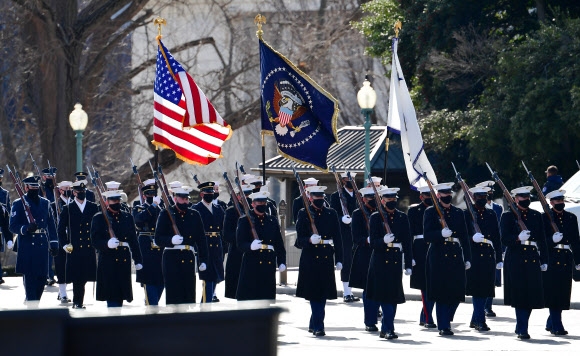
<point>298,112</point>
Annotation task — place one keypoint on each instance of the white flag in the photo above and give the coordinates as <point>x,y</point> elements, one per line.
<point>403,120</point>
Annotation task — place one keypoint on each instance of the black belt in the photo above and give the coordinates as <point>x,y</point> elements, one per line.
<point>146,233</point>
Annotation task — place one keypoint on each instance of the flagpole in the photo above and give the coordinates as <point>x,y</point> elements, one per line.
<point>397,27</point>
<point>263,161</point>
<point>259,20</point>
<point>158,22</point>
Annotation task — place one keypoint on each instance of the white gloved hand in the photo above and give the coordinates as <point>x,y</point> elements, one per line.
<point>138,267</point>
<point>544,267</point>
<point>446,232</point>
<point>113,242</point>
<point>557,237</point>
<point>467,265</point>
<point>315,239</point>
<point>413,263</point>
<point>524,235</point>
<point>157,200</point>
<point>282,267</point>
<point>578,267</point>
<point>499,265</point>
<point>408,272</point>
<point>177,239</point>
<point>478,237</point>
<point>368,239</point>
<point>202,267</point>
<point>346,219</point>
<point>256,245</point>
<point>10,245</point>
<point>338,266</point>
<point>388,238</point>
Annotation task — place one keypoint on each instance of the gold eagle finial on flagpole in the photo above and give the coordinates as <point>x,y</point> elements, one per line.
<point>398,27</point>
<point>259,20</point>
<point>158,22</point>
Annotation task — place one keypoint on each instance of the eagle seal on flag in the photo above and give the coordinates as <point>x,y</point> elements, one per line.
<point>289,105</point>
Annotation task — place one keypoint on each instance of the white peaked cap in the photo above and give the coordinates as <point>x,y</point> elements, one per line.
<point>316,189</point>
<point>443,186</point>
<point>366,191</point>
<point>480,190</point>
<point>345,174</point>
<point>522,190</point>
<point>183,190</point>
<point>388,191</point>
<point>175,184</point>
<point>556,194</point>
<point>149,181</point>
<point>260,195</point>
<point>487,183</point>
<point>65,183</point>
<point>113,194</point>
<point>424,189</point>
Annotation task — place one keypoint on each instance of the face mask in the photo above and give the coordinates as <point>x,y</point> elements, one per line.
<point>249,201</point>
<point>32,194</point>
<point>68,193</point>
<point>319,203</point>
<point>559,206</point>
<point>149,200</point>
<point>446,199</point>
<point>260,209</point>
<point>391,205</point>
<point>115,207</point>
<point>348,185</point>
<point>182,207</point>
<point>216,195</point>
<point>49,184</point>
<point>428,201</point>
<point>524,203</point>
<point>489,197</point>
<point>480,203</point>
<point>81,195</point>
<point>372,204</point>
<point>208,197</point>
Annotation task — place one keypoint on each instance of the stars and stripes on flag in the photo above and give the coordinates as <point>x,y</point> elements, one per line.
<point>184,119</point>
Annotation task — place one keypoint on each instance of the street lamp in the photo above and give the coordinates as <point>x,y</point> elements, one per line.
<point>367,98</point>
<point>78,120</point>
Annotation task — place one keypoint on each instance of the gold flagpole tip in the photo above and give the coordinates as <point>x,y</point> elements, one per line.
<point>259,20</point>
<point>158,22</point>
<point>398,27</point>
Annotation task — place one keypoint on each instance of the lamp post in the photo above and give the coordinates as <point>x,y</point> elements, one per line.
<point>367,98</point>
<point>78,120</point>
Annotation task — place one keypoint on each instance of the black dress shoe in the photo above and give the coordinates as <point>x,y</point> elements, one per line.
<point>391,335</point>
<point>472,325</point>
<point>421,323</point>
<point>50,282</point>
<point>445,332</point>
<point>371,328</point>
<point>355,299</point>
<point>430,325</point>
<point>523,336</point>
<point>348,299</point>
<point>2,281</point>
<point>482,327</point>
<point>489,312</point>
<point>548,329</point>
<point>64,300</point>
<point>78,306</point>
<point>215,299</point>
<point>559,332</point>
<point>310,331</point>
<point>319,333</point>
<point>382,335</point>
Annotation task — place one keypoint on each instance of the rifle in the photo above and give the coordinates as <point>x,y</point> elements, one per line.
<point>305,201</point>
<point>103,206</point>
<point>162,177</point>
<point>17,176</point>
<point>195,179</point>
<point>380,207</point>
<point>343,204</point>
<point>235,199</point>
<point>100,187</point>
<point>509,198</point>
<point>97,175</point>
<point>165,197</point>
<point>39,174</point>
<point>246,207</point>
<point>359,201</point>
<point>20,192</point>
<point>56,193</point>
<point>469,199</point>
<point>578,164</point>
<point>547,209</point>
<point>435,201</point>
<point>140,183</point>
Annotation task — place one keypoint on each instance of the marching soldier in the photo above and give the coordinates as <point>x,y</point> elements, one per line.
<point>213,219</point>
<point>298,204</point>
<point>48,182</point>
<point>258,186</point>
<point>345,233</point>
<point>5,234</point>
<point>320,254</point>
<point>63,199</point>
<point>362,256</point>
<point>234,261</point>
<point>179,250</point>
<point>146,215</point>
<point>173,185</point>
<point>376,181</point>
<point>525,258</point>
<point>115,252</point>
<point>35,239</point>
<point>486,257</point>
<point>448,257</point>
<point>216,193</point>
<point>261,255</point>
<point>564,250</point>
<point>112,185</point>
<point>418,278</point>
<point>90,196</point>
<point>74,228</point>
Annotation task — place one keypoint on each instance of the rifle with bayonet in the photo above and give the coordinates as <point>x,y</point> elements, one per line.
<point>99,181</point>
<point>246,207</point>
<point>20,192</point>
<point>435,201</point>
<point>39,173</point>
<point>140,183</point>
<point>380,207</point>
<point>103,201</point>
<point>359,200</point>
<point>164,196</point>
<point>510,200</point>
<point>162,179</point>
<point>341,197</point>
<point>236,202</point>
<point>543,201</point>
<point>56,193</point>
<point>98,185</point>
<point>305,201</point>
<point>469,199</point>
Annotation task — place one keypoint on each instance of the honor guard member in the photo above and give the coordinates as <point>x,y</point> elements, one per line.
<point>115,252</point>
<point>420,246</point>
<point>486,257</point>
<point>5,233</point>
<point>258,186</point>
<point>179,260</point>
<point>376,181</point>
<point>298,203</point>
<point>345,233</point>
<point>213,219</point>
<point>64,189</point>
<point>526,258</point>
<point>563,250</point>
<point>173,185</point>
<point>48,182</point>
<point>146,215</point>
<point>234,260</point>
<point>362,255</point>
<point>385,278</point>
<point>448,257</point>
<point>112,185</point>
<point>35,240</point>
<point>74,230</point>
<point>216,193</point>
<point>261,255</point>
<point>83,176</point>
<point>498,212</point>
<point>320,254</point>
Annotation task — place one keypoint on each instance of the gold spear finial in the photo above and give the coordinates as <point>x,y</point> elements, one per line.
<point>158,22</point>
<point>259,20</point>
<point>398,27</point>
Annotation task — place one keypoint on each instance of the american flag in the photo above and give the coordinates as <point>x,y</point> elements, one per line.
<point>184,119</point>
